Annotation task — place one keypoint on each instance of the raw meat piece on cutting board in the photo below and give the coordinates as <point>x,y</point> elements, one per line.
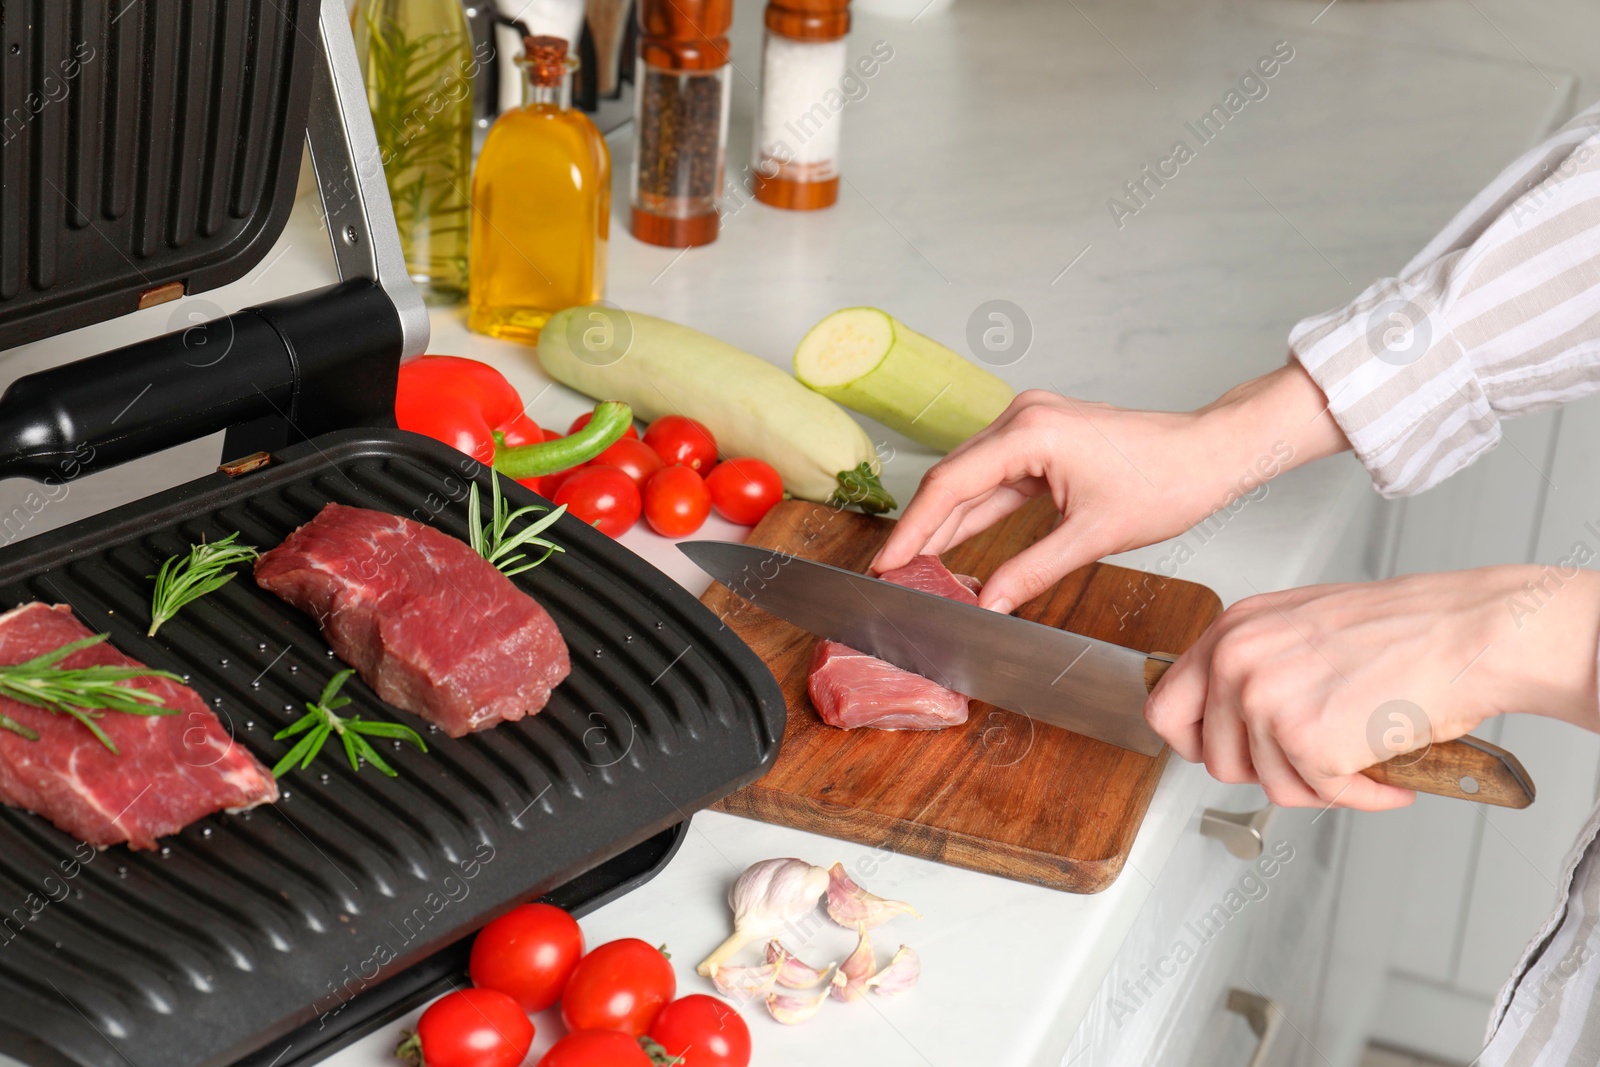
<point>851,688</point>
<point>431,625</point>
<point>171,771</point>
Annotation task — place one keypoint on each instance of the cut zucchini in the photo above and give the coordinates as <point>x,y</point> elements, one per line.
<point>871,362</point>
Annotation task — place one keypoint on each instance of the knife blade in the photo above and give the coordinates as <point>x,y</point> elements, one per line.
<point>1080,683</point>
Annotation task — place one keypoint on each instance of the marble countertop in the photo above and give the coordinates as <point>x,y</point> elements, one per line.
<point>979,164</point>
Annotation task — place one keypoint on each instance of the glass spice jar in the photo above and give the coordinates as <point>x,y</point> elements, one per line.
<point>797,125</point>
<point>681,93</point>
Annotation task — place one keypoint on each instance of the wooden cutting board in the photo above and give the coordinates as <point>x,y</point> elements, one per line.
<point>1001,793</point>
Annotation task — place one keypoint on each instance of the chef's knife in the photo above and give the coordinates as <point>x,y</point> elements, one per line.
<point>1079,683</point>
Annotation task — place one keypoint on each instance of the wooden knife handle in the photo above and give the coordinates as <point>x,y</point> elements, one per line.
<point>1155,665</point>
<point>1467,768</point>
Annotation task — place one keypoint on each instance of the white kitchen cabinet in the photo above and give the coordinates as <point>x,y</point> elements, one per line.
<point>1484,878</point>
<point>1215,923</point>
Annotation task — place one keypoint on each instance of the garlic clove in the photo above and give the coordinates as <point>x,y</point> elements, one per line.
<point>898,975</point>
<point>765,899</point>
<point>849,980</point>
<point>790,1009</point>
<point>850,905</point>
<point>742,982</point>
<point>793,972</point>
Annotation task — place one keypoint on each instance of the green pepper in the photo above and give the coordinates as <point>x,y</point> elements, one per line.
<point>610,421</point>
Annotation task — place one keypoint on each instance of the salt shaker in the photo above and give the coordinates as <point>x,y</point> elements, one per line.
<point>797,124</point>
<point>681,92</point>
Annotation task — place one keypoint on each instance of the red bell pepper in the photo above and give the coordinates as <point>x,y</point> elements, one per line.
<point>471,407</point>
<point>458,401</point>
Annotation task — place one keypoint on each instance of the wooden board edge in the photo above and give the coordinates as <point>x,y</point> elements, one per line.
<point>954,849</point>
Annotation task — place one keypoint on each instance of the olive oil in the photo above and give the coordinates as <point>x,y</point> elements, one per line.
<point>541,206</point>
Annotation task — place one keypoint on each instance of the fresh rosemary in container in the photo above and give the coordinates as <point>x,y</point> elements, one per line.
<point>419,66</point>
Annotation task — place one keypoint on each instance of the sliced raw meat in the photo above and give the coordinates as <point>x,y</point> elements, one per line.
<point>431,625</point>
<point>171,771</point>
<point>926,574</point>
<point>852,689</point>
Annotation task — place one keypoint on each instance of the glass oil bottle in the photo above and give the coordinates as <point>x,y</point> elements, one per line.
<point>541,206</point>
<point>417,60</point>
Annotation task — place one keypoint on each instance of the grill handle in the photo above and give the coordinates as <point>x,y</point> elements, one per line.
<point>271,375</point>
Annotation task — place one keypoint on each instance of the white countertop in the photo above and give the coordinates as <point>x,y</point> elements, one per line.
<point>978,166</point>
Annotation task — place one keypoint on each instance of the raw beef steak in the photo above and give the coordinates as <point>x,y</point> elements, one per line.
<point>852,689</point>
<point>431,625</point>
<point>171,771</point>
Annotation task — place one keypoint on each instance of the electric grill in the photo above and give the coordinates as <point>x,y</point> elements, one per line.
<point>167,165</point>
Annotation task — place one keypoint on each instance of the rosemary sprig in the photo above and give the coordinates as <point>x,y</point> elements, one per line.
<point>320,722</point>
<point>186,578</point>
<point>84,693</point>
<point>494,541</point>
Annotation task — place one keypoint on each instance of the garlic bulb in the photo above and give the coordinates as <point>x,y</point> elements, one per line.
<point>765,899</point>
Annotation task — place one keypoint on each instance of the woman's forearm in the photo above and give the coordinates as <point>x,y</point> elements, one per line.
<point>1282,413</point>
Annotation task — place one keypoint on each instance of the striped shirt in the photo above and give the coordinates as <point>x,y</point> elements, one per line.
<point>1498,316</point>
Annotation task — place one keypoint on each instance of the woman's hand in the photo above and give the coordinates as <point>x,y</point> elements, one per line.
<point>1121,479</point>
<point>1294,689</point>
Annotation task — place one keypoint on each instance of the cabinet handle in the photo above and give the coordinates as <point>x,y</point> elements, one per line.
<point>1243,832</point>
<point>1263,1015</point>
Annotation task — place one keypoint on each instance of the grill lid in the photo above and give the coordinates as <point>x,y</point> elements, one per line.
<point>146,149</point>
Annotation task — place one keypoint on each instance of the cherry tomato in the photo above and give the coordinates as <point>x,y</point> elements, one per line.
<point>678,439</point>
<point>521,430</point>
<point>455,400</point>
<point>601,496</point>
<point>704,1031</point>
<point>472,1028</point>
<point>548,485</point>
<point>676,502</point>
<point>528,954</point>
<point>596,1048</point>
<point>743,490</point>
<point>622,985</point>
<point>634,458</point>
<point>583,420</point>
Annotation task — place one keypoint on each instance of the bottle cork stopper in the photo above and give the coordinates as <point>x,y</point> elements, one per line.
<point>546,58</point>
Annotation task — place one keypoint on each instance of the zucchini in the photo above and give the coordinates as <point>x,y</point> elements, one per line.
<point>751,407</point>
<point>872,362</point>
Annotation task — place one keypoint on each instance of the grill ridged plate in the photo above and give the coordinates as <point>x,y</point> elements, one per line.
<point>248,926</point>
<point>142,144</point>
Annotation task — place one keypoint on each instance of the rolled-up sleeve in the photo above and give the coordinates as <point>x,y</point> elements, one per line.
<point>1499,315</point>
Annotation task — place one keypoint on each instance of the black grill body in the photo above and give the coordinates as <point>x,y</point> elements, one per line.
<point>279,934</point>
